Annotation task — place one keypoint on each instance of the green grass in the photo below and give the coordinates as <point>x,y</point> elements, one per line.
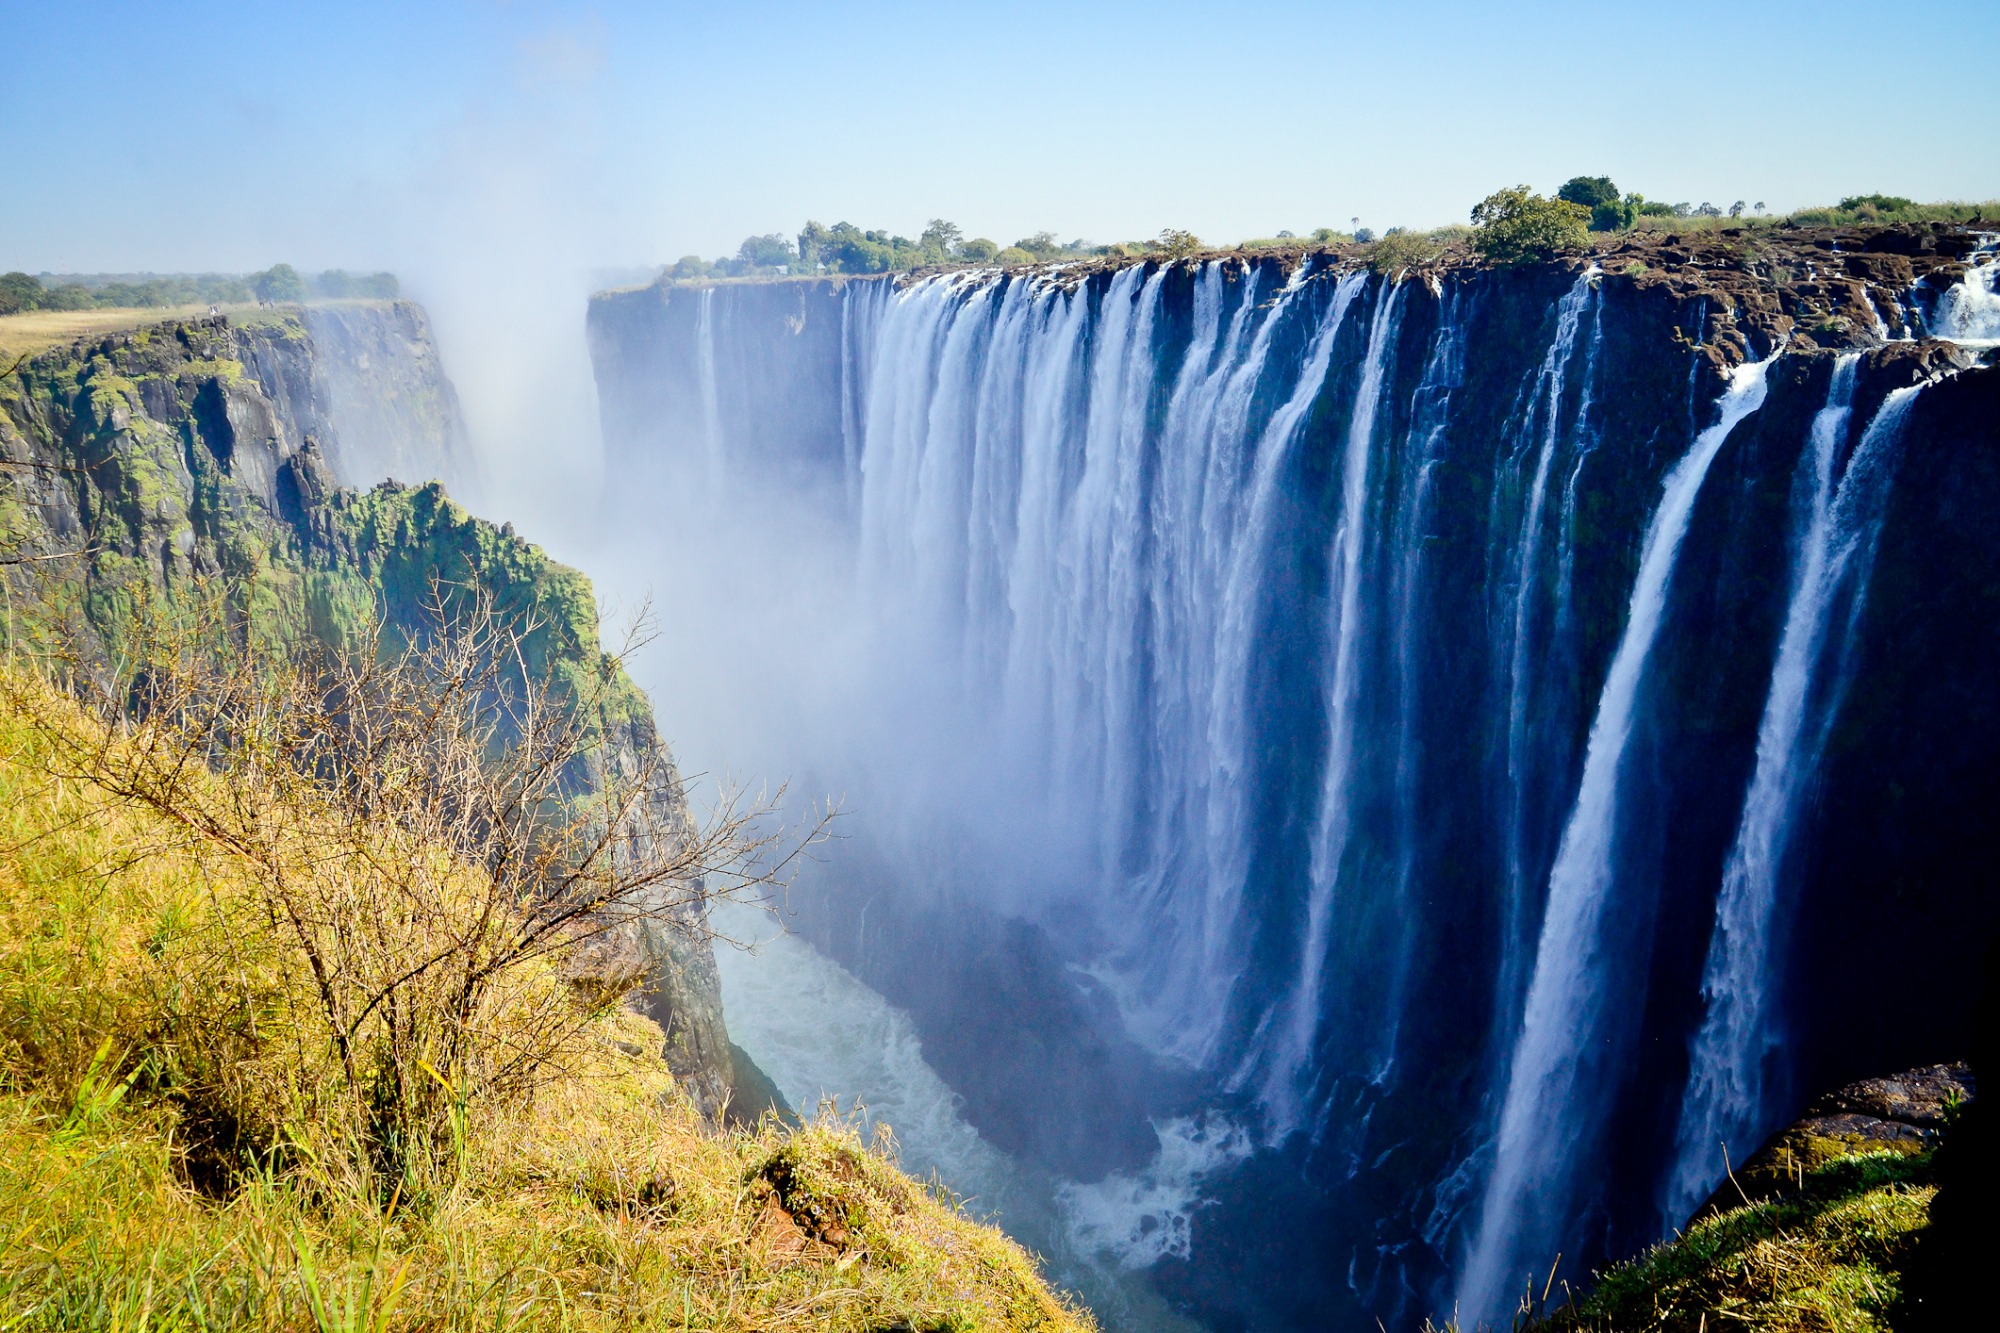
<point>1824,1258</point>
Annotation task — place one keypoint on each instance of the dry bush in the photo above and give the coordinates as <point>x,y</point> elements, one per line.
<point>430,832</point>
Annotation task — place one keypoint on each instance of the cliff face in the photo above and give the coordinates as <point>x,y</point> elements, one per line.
<point>196,450</point>
<point>763,401</point>
<point>1510,709</point>
<point>378,373</point>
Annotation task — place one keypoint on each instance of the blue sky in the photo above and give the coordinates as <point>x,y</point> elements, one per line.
<point>230,135</point>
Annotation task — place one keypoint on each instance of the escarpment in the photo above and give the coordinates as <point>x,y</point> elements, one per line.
<point>1470,726</point>
<point>144,462</point>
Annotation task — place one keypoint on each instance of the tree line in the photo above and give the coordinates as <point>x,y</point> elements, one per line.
<point>279,284</point>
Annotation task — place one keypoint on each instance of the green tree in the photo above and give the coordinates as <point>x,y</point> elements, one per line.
<point>760,252</point>
<point>1179,244</point>
<point>978,250</point>
<point>813,240</point>
<point>1518,226</point>
<point>19,291</point>
<point>278,284</point>
<point>68,296</point>
<point>1590,191</point>
<point>941,238</point>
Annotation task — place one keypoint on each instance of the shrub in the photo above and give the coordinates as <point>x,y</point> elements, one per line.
<point>1400,251</point>
<point>1178,244</point>
<point>1042,245</point>
<point>1014,254</point>
<point>1881,203</point>
<point>1616,215</point>
<point>979,250</point>
<point>1517,227</point>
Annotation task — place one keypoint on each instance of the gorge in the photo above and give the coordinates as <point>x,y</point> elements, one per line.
<point>1449,754</point>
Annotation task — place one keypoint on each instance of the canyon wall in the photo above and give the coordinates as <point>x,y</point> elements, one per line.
<point>1498,736</point>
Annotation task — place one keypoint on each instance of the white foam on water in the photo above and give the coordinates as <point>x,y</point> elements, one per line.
<point>1141,1217</point>
<point>1969,311</point>
<point>821,1034</point>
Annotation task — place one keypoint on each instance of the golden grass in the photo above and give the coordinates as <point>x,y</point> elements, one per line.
<point>146,1031</point>
<point>35,331</point>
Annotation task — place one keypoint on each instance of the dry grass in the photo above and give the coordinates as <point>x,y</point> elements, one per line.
<point>159,1169</point>
<point>35,331</point>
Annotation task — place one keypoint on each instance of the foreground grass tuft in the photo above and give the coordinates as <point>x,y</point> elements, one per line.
<point>1825,1259</point>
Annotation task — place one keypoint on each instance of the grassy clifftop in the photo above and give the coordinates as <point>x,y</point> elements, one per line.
<point>162,1165</point>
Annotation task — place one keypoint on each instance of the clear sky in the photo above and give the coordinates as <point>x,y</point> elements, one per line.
<point>195,135</point>
<point>501,156</point>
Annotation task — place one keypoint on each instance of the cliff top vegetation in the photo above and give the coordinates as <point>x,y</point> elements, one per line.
<point>1600,207</point>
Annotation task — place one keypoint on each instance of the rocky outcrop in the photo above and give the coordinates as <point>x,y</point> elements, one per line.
<point>198,450</point>
<point>1906,1113</point>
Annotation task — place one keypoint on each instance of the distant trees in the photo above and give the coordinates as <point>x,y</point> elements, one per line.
<point>1588,191</point>
<point>335,284</point>
<point>1518,226</point>
<point>846,248</point>
<point>278,284</point>
<point>22,291</point>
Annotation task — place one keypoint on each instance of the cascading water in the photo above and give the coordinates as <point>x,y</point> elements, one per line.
<point>1969,311</point>
<point>1321,664</point>
<point>1728,1099</point>
<point>1528,766</point>
<point>1564,1060</point>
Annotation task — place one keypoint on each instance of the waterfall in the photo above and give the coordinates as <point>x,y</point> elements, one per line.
<point>1524,777</point>
<point>1098,577</point>
<point>714,455</point>
<point>1969,310</point>
<point>1731,1082</point>
<point>1554,1092</point>
<point>1345,692</point>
